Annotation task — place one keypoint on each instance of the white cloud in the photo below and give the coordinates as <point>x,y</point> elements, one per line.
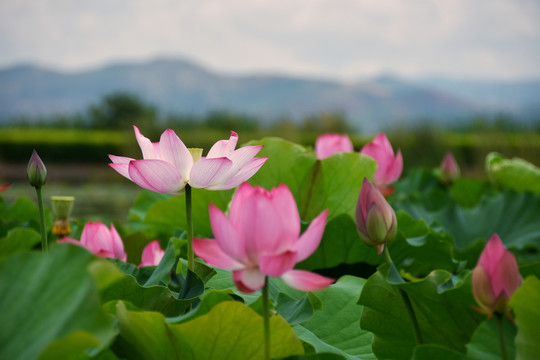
<point>342,38</point>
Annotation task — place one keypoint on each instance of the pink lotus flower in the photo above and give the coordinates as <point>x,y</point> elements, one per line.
<point>261,237</point>
<point>152,254</point>
<point>329,144</point>
<point>168,165</point>
<point>495,278</point>
<point>99,240</point>
<point>375,219</point>
<point>389,167</point>
<point>449,168</point>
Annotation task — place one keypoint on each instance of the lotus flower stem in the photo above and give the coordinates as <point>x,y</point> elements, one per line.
<point>500,319</point>
<point>266,320</point>
<point>407,301</point>
<point>387,257</point>
<point>44,243</point>
<point>189,223</point>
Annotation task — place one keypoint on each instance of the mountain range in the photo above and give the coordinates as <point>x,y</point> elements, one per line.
<point>183,87</point>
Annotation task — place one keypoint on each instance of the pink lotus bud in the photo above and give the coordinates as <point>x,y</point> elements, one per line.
<point>495,278</point>
<point>389,167</point>
<point>152,254</point>
<point>36,171</point>
<point>329,144</point>
<point>99,240</point>
<point>449,169</point>
<point>375,219</point>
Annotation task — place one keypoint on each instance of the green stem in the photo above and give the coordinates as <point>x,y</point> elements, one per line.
<point>387,257</point>
<point>189,223</point>
<point>406,301</point>
<point>44,243</point>
<point>266,320</point>
<point>500,319</point>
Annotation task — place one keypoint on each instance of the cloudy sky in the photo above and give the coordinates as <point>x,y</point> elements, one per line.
<point>346,39</point>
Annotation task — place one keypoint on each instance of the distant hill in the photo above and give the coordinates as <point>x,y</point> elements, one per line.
<point>178,86</point>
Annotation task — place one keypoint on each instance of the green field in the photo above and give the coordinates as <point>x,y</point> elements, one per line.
<point>419,148</point>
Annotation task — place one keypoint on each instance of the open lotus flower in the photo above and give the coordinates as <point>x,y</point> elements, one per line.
<point>495,278</point>
<point>261,237</point>
<point>328,144</point>
<point>375,219</point>
<point>449,169</point>
<point>389,167</point>
<point>152,254</point>
<point>168,165</point>
<point>99,240</point>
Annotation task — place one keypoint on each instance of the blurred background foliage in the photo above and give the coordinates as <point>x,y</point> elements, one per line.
<point>75,148</point>
<point>106,128</point>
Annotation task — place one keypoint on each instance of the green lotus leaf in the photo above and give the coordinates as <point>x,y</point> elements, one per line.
<point>334,328</point>
<point>230,330</point>
<point>444,312</point>
<point>50,297</point>
<point>525,304</point>
<point>516,174</point>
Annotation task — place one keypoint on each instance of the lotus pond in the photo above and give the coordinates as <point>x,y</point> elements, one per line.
<point>411,295</point>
